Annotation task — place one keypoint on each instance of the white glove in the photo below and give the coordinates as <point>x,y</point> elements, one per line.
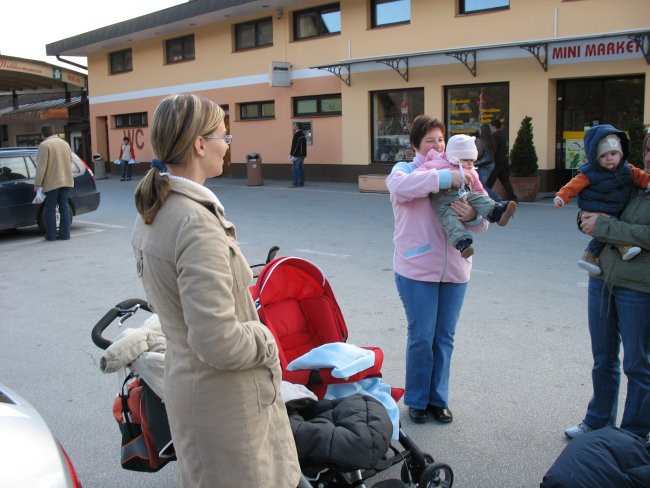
<point>558,202</point>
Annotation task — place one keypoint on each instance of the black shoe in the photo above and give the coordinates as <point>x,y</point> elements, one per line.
<point>502,212</point>
<point>465,247</point>
<point>61,238</point>
<point>418,416</point>
<point>441,414</point>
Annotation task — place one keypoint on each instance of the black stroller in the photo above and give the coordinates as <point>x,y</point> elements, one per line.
<point>286,287</point>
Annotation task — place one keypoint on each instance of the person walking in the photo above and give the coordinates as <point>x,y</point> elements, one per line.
<point>297,156</point>
<point>501,169</point>
<point>54,175</point>
<point>430,274</point>
<point>222,374</point>
<point>619,313</point>
<point>485,162</point>
<point>127,154</point>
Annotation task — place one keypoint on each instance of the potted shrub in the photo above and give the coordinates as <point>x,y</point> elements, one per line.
<point>523,163</point>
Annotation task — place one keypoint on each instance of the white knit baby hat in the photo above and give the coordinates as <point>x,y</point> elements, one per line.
<point>609,143</point>
<point>461,146</point>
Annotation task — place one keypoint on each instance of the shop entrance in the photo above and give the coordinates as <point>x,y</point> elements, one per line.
<point>585,102</point>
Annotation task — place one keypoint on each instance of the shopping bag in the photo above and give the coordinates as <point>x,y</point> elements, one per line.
<point>40,196</point>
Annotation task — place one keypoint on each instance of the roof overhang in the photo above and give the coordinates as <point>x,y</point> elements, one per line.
<point>469,55</point>
<point>19,75</point>
<point>165,22</point>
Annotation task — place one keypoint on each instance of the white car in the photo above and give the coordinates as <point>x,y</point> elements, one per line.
<point>30,456</point>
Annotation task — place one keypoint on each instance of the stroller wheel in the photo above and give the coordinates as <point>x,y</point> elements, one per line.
<point>436,475</point>
<point>409,472</point>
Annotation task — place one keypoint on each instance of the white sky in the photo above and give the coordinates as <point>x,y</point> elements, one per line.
<point>28,25</point>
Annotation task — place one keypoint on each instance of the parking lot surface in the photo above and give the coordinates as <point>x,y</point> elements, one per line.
<point>520,370</point>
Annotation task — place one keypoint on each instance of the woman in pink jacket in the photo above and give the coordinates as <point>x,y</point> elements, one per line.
<point>430,274</point>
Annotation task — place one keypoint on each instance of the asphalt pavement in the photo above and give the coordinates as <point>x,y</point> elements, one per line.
<point>520,370</point>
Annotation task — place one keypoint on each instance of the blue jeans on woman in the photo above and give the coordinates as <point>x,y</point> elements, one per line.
<point>58,196</point>
<point>432,311</point>
<point>619,315</point>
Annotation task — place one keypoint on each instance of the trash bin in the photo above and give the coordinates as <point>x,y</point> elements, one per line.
<point>99,167</point>
<point>254,169</point>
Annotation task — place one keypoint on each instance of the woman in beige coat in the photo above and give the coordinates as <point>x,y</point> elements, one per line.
<point>222,373</point>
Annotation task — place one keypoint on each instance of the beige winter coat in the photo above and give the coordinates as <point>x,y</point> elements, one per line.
<point>54,164</point>
<point>222,374</point>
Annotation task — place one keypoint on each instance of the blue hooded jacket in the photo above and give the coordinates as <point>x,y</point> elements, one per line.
<point>608,191</point>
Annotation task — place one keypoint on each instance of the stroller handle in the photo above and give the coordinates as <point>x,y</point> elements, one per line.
<point>124,309</point>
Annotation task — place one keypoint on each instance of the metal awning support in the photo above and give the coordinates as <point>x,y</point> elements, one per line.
<point>401,65</point>
<point>643,41</point>
<point>540,51</point>
<point>463,57</point>
<point>337,69</point>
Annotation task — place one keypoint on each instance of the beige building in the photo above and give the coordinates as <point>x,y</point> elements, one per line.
<point>355,73</point>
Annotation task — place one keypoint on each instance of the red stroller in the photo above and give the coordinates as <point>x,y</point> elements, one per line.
<point>296,302</point>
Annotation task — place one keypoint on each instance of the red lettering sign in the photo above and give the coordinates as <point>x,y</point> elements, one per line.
<point>136,137</point>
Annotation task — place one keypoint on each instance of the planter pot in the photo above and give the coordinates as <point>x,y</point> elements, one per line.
<point>525,187</point>
<point>372,184</point>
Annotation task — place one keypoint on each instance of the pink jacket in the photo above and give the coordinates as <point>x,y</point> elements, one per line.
<point>421,249</point>
<point>435,160</point>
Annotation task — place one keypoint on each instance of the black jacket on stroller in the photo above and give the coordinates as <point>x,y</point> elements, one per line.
<point>352,432</point>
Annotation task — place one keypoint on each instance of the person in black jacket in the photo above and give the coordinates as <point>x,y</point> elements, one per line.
<point>297,156</point>
<point>501,170</point>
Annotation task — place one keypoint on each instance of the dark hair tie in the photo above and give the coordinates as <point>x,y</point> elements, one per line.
<point>159,165</point>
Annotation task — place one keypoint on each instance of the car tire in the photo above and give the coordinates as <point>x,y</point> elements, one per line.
<point>41,218</point>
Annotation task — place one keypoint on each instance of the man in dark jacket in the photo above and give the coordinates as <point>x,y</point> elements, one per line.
<point>501,169</point>
<point>297,155</point>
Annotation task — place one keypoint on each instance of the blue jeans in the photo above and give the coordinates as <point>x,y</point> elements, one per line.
<point>127,170</point>
<point>298,172</point>
<point>484,171</point>
<point>432,311</point>
<point>58,196</point>
<point>620,317</point>
<point>595,247</point>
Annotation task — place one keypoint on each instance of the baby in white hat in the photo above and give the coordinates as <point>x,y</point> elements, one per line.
<point>603,184</point>
<point>460,154</point>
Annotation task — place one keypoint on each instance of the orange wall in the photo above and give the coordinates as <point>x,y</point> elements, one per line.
<point>345,139</point>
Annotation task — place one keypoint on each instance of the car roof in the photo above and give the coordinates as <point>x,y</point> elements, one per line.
<point>13,151</point>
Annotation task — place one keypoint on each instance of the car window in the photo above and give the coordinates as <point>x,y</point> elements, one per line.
<point>75,164</point>
<point>31,165</point>
<point>13,168</point>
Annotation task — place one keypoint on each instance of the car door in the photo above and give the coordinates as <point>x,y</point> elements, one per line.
<point>17,192</point>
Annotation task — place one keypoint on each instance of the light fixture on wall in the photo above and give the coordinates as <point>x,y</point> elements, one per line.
<point>279,13</point>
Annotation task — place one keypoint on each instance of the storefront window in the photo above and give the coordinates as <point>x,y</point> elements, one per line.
<point>584,103</point>
<point>469,106</point>
<point>392,115</point>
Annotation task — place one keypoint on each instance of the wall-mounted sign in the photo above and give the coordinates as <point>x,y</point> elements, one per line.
<point>606,49</point>
<point>280,74</point>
